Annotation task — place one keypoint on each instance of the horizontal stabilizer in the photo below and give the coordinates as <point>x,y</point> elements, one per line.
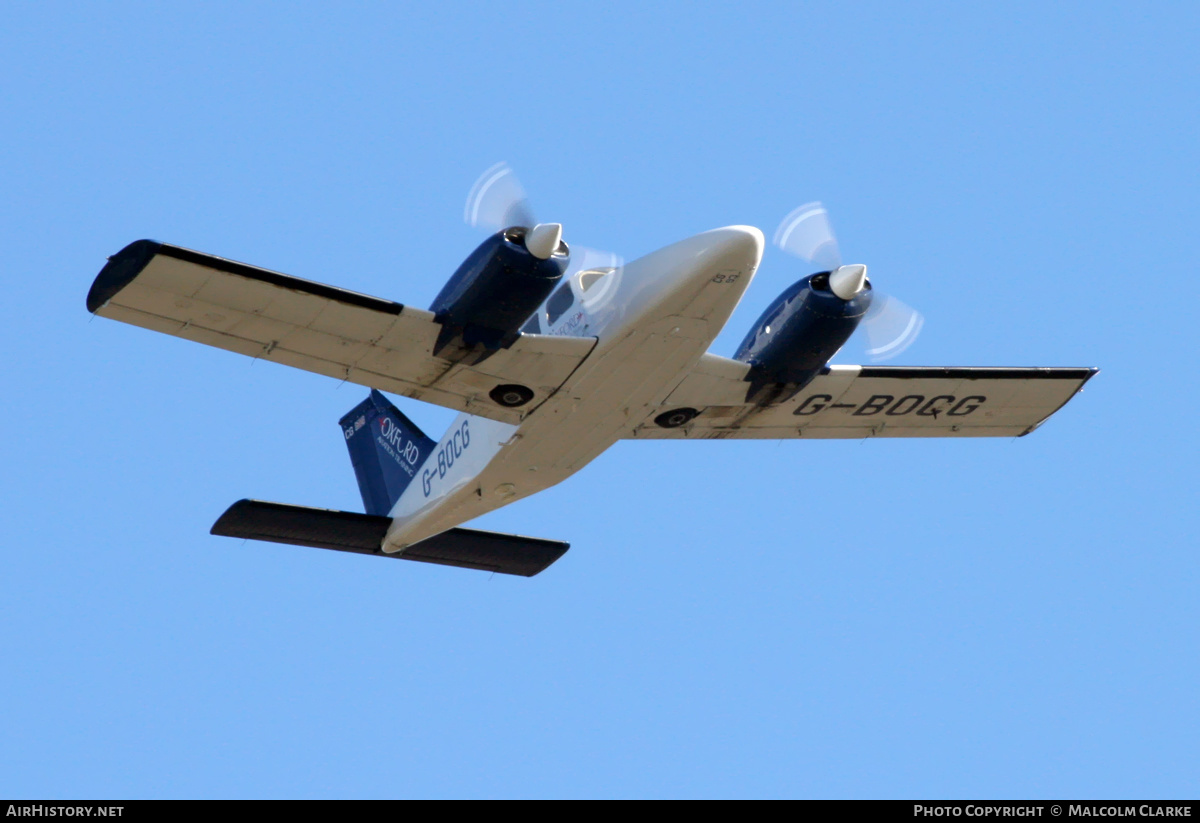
<point>363,533</point>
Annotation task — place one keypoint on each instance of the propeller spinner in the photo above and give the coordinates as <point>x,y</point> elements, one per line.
<point>891,325</point>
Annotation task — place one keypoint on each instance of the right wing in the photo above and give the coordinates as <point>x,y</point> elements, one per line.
<point>323,329</point>
<point>867,401</point>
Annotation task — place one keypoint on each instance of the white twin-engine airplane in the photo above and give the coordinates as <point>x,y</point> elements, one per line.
<point>550,366</point>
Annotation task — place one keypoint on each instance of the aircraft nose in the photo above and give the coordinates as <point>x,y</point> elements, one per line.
<point>738,246</point>
<point>709,267</point>
<point>724,264</point>
<point>674,279</point>
<point>695,261</point>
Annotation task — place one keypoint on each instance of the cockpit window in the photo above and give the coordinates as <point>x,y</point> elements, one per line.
<point>559,302</point>
<point>591,277</point>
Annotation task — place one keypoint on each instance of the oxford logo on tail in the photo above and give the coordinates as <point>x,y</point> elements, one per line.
<point>386,461</point>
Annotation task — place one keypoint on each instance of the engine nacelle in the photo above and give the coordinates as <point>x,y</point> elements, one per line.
<point>495,291</point>
<point>797,335</point>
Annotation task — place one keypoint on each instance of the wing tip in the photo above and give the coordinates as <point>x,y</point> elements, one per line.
<point>120,270</point>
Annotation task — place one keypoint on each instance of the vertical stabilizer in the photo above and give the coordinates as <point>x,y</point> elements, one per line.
<point>386,448</point>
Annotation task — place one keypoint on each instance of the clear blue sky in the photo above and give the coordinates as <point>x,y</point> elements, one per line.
<point>889,618</point>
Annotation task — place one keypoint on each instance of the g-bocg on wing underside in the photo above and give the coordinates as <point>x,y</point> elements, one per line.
<point>866,401</point>
<point>323,329</point>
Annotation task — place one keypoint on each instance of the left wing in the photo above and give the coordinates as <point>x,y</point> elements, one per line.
<point>323,329</point>
<point>869,401</point>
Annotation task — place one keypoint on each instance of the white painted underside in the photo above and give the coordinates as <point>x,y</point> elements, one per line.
<point>632,346</point>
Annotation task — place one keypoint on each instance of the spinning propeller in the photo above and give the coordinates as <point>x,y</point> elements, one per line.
<point>891,326</point>
<point>498,201</point>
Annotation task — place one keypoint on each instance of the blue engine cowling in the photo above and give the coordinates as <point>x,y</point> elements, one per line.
<point>796,336</point>
<point>495,290</point>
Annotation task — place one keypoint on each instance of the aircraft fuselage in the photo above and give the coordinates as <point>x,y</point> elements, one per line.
<point>653,318</point>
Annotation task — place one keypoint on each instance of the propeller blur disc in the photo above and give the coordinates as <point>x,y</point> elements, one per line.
<point>599,274</point>
<point>807,233</point>
<point>497,201</point>
<point>891,327</point>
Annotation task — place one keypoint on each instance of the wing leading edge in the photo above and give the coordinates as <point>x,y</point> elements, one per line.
<point>869,401</point>
<point>323,329</point>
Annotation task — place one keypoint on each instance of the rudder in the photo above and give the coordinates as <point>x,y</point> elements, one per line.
<point>386,449</point>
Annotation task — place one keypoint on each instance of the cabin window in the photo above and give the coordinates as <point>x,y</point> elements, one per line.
<point>559,302</point>
<point>533,325</point>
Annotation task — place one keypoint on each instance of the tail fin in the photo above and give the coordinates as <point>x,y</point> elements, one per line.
<point>386,449</point>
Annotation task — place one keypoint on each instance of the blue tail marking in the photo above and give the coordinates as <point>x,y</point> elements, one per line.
<point>386,449</point>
